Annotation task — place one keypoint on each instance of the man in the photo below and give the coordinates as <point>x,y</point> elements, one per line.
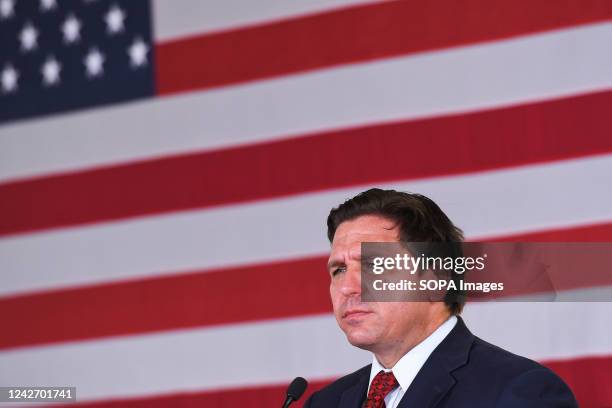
<point>423,354</point>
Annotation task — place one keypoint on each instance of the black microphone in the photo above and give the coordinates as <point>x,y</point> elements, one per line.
<point>295,391</point>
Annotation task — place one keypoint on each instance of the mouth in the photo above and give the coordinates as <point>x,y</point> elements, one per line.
<point>355,313</point>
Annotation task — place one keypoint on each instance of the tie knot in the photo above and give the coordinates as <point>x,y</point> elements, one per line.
<point>382,384</point>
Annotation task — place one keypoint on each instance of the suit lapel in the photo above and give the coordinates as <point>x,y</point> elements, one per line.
<point>354,396</point>
<point>435,378</point>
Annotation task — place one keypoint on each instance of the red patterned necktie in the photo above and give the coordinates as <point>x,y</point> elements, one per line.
<point>382,384</point>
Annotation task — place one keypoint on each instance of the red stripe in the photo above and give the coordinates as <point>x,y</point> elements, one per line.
<point>188,300</point>
<point>589,378</point>
<point>357,34</point>
<point>255,397</point>
<point>592,233</point>
<point>538,132</point>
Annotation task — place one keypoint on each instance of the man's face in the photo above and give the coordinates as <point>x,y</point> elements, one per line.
<point>374,326</point>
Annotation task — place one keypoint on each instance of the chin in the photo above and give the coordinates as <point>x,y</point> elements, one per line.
<point>361,340</point>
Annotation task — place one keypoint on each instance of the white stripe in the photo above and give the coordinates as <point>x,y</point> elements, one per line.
<point>275,352</point>
<point>172,19</point>
<point>556,64</point>
<point>484,204</point>
<point>188,360</point>
<point>543,330</point>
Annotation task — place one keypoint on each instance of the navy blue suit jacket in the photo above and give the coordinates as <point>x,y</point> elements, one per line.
<point>463,371</point>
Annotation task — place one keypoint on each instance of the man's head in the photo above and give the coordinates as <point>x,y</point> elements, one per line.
<point>384,216</point>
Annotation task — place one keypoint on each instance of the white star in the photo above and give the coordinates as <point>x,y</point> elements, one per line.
<point>6,9</point>
<point>94,62</point>
<point>71,29</point>
<point>138,53</point>
<point>9,79</point>
<point>50,71</point>
<point>28,37</point>
<point>46,5</point>
<point>114,19</point>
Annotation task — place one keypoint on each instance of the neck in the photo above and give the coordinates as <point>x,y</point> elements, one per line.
<point>390,354</point>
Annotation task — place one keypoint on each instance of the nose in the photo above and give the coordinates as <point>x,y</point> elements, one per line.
<point>351,282</point>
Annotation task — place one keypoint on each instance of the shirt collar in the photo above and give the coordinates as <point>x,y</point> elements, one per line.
<point>407,368</point>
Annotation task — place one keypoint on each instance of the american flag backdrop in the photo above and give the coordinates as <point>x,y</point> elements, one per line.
<point>166,169</point>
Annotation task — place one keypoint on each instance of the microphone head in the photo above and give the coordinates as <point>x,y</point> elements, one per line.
<point>296,388</point>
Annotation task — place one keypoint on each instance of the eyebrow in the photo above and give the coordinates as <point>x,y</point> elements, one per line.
<point>334,262</point>
<point>371,257</point>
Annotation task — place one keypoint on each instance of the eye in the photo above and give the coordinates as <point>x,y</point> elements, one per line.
<point>338,270</point>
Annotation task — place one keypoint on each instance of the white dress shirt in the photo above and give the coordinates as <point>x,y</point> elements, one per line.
<point>406,369</point>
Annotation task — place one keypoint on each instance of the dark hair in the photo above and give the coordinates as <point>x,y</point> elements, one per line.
<point>419,220</point>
